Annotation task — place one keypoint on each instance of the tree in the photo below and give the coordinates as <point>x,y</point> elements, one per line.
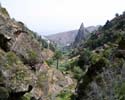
<point>116,15</point>
<point>107,25</point>
<point>57,56</point>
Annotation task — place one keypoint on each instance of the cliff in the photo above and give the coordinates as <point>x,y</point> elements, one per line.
<point>81,36</point>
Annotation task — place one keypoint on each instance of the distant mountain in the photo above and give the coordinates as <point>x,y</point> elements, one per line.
<point>83,34</point>
<point>66,38</point>
<point>92,28</point>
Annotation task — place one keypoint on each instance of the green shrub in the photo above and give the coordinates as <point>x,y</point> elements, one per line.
<point>95,58</point>
<point>49,62</point>
<point>120,92</point>
<point>78,72</point>
<point>84,58</point>
<point>32,58</point>
<point>107,52</point>
<point>64,95</point>
<point>11,58</point>
<point>27,96</point>
<point>20,75</point>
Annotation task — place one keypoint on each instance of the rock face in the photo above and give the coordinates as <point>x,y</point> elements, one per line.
<point>81,36</point>
<point>58,82</point>
<point>26,47</point>
<point>4,42</point>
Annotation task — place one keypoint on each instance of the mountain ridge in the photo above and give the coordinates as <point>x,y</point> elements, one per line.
<point>102,59</point>
<point>66,38</point>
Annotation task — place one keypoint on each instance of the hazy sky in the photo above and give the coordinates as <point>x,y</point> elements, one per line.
<point>53,16</point>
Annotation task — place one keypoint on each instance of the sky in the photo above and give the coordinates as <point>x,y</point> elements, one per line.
<point>53,16</point>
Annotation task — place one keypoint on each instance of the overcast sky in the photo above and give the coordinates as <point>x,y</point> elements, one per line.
<point>53,16</point>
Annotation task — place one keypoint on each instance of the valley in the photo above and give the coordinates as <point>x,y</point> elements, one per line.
<point>83,64</point>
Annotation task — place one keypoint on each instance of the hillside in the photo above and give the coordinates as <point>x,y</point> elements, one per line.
<point>24,70</point>
<point>102,60</point>
<point>63,38</point>
<point>66,38</point>
<point>34,68</point>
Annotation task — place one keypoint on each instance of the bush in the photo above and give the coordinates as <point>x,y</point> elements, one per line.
<point>49,62</point>
<point>26,97</point>
<point>11,58</point>
<point>107,52</point>
<point>120,92</point>
<point>64,95</point>
<point>32,58</point>
<point>20,75</point>
<point>95,58</point>
<point>84,58</point>
<point>78,72</point>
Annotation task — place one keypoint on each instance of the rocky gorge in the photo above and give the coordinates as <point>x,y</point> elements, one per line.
<point>34,68</point>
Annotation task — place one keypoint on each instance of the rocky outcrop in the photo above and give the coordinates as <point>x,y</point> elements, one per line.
<point>28,49</point>
<point>58,82</point>
<point>81,36</point>
<point>4,42</point>
<point>65,39</point>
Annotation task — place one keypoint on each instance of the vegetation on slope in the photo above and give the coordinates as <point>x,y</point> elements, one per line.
<point>102,59</point>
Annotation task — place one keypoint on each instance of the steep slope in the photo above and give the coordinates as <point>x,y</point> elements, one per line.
<point>81,36</point>
<point>24,73</point>
<point>20,57</point>
<point>102,59</point>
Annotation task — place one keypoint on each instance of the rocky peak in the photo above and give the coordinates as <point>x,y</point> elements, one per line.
<point>81,31</point>
<point>81,26</point>
<point>80,36</point>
